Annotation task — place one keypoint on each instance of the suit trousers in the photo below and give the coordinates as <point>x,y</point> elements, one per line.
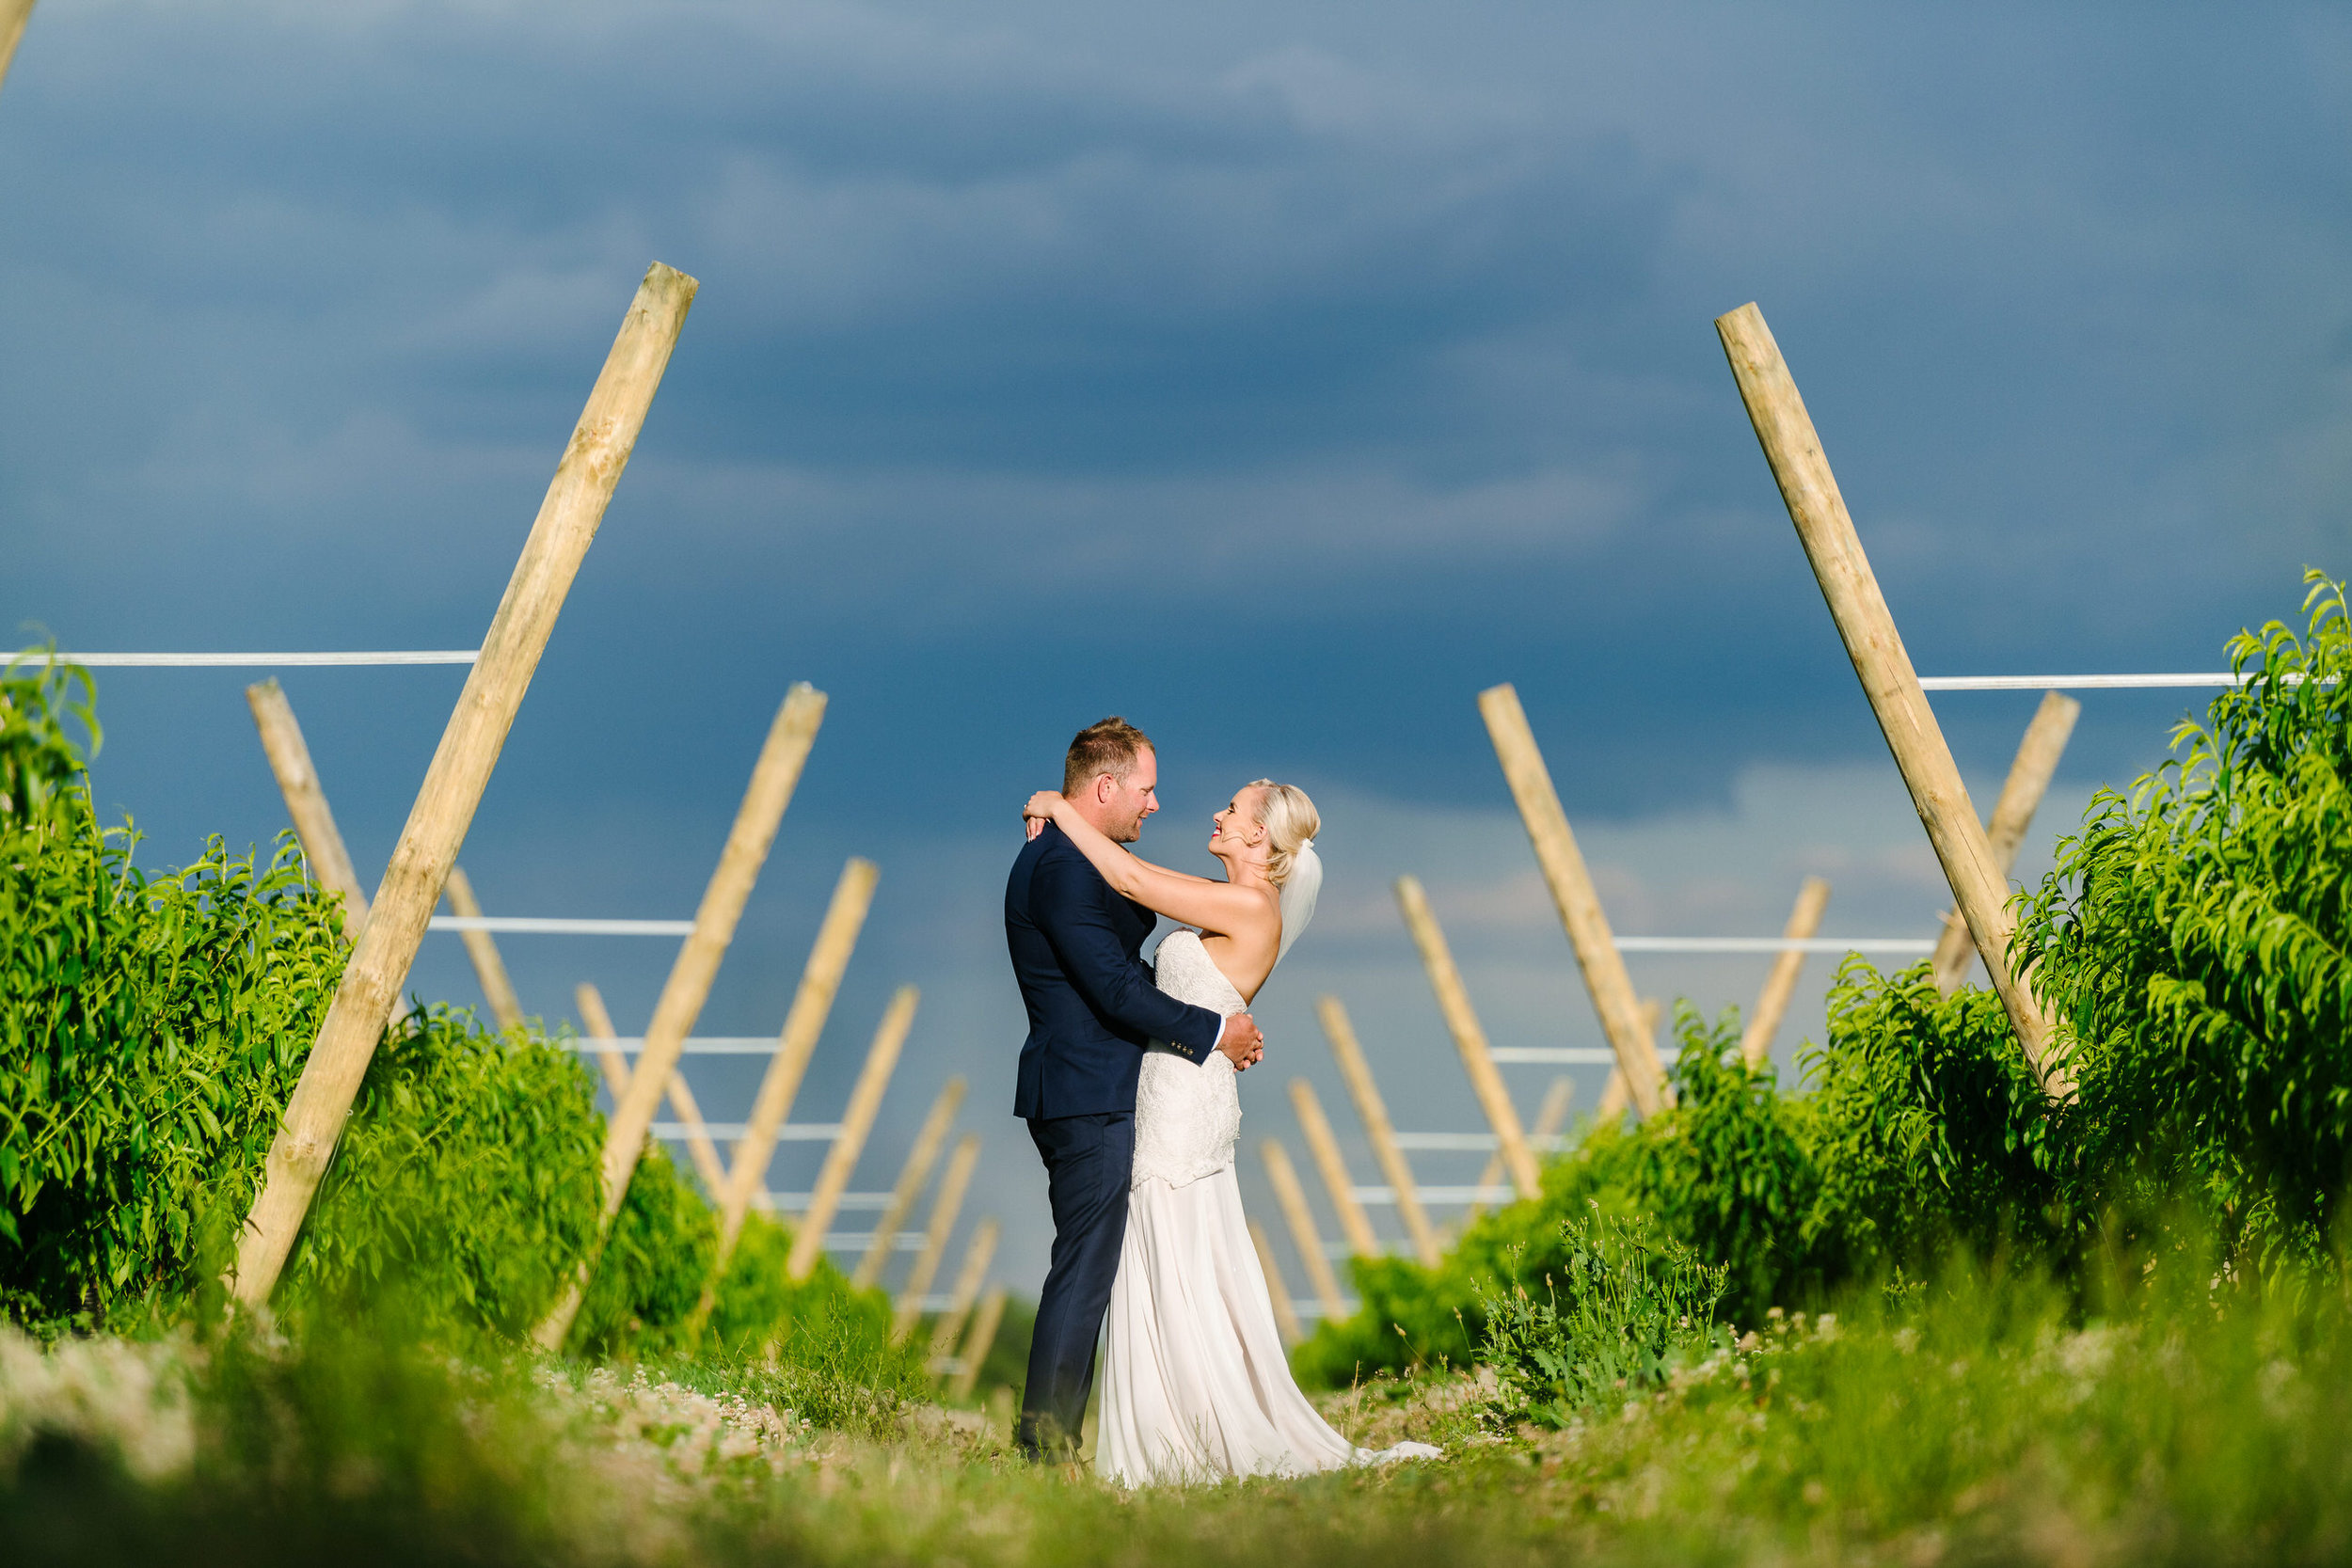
<point>1089,1163</point>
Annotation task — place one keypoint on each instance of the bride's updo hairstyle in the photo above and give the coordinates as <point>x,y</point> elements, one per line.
<point>1290,820</point>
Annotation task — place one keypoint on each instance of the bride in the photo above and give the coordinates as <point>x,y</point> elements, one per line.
<point>1196,1386</point>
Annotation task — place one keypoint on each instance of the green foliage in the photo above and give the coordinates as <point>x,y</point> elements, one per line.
<point>1621,1315</point>
<point>39,759</point>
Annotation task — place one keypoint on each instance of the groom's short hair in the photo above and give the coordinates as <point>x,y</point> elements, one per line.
<point>1105,746</point>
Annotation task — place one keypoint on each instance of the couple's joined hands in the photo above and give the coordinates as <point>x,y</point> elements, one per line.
<point>1242,1044</point>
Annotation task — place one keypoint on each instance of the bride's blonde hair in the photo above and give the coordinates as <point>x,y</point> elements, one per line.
<point>1290,820</point>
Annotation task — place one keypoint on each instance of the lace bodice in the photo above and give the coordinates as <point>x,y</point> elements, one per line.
<point>1188,1116</point>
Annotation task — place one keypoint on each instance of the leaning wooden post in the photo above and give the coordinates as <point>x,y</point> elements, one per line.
<point>1614,1096</point>
<point>698,1141</point>
<point>978,1343</point>
<point>1793,448</point>
<point>945,1207</point>
<point>497,988</point>
<point>1469,1038</point>
<point>1293,1198</point>
<point>14,14</point>
<point>1550,1117</point>
<point>1285,1309</point>
<point>461,766</point>
<point>774,776</point>
<point>978,1253</point>
<point>299,781</point>
<point>917,1170</point>
<point>1572,892</point>
<point>1353,1224</point>
<point>882,1060</point>
<point>2030,776</point>
<point>821,979</point>
<point>1374,1112</point>
<point>1772,1002</point>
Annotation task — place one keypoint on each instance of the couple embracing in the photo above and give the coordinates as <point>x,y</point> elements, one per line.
<point>1128,1082</point>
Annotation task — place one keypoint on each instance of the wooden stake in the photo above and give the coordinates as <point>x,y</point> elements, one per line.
<point>1293,1198</point>
<point>917,1170</point>
<point>820,978</point>
<point>774,776</point>
<point>289,755</point>
<point>1867,629</point>
<point>881,1059</point>
<point>1285,1311</point>
<point>1354,1225</point>
<point>1470,1038</point>
<point>1550,1118</point>
<point>1374,1112</point>
<point>1572,892</point>
<point>2030,776</point>
<point>944,1210</point>
<point>566,524</point>
<point>978,1343</point>
<point>506,1008</point>
<point>14,14</point>
<point>1772,1002</point>
<point>598,1024</point>
<point>978,1254</point>
<point>1614,1096</point>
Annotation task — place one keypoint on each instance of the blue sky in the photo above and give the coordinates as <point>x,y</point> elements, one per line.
<point>1277,375</point>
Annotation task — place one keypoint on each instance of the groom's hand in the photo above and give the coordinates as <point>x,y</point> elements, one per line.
<point>1241,1042</point>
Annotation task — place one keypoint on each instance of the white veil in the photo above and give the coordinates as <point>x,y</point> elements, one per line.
<point>1299,895</point>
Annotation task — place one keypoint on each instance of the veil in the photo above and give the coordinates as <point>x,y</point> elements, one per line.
<point>1299,895</point>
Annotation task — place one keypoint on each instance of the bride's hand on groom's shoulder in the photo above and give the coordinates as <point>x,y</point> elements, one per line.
<point>1040,811</point>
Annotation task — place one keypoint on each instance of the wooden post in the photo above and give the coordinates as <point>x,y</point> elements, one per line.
<point>774,776</point>
<point>978,1254</point>
<point>1572,891</point>
<point>820,978</point>
<point>14,14</point>
<point>599,1026</point>
<point>575,504</point>
<point>943,1209</point>
<point>978,1343</point>
<point>881,1059</point>
<point>1793,448</point>
<point>1772,1002</point>
<point>1293,1198</point>
<point>917,1170</point>
<point>1470,1038</point>
<point>2029,775</point>
<point>498,989</point>
<point>1373,1111</point>
<point>1614,1096</point>
<point>1285,1309</point>
<point>1550,1118</point>
<point>290,761</point>
<point>1353,1224</point>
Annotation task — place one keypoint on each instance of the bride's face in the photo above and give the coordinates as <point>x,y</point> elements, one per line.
<point>1238,833</point>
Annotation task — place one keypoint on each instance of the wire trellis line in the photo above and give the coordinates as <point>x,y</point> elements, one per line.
<point>2088,683</point>
<point>240,661</point>
<point>1775,945</point>
<point>560,926</point>
<point>696,1045</point>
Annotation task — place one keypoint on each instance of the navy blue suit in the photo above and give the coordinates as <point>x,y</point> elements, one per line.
<point>1076,950</point>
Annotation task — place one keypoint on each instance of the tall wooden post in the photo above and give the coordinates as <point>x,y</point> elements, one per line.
<point>1353,1224</point>
<point>1772,1002</point>
<point>1614,1096</point>
<point>1550,1117</point>
<point>14,14</point>
<point>2029,775</point>
<point>575,504</point>
<point>1572,891</point>
<point>1293,1198</point>
<point>1469,1038</point>
<point>489,970</point>
<point>297,779</point>
<point>821,979</point>
<point>1278,1293</point>
<point>978,1343</point>
<point>945,1207</point>
<point>599,1023</point>
<point>1867,629</point>
<point>774,777</point>
<point>978,1253</point>
<point>1374,1112</point>
<point>881,1059</point>
<point>917,1170</point>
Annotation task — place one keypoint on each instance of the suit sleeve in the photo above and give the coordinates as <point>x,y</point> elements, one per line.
<point>1071,904</point>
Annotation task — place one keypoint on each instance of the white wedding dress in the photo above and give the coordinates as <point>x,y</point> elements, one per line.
<point>1195,1384</point>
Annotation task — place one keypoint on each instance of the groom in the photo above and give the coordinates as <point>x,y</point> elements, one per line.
<point>1092,1006</point>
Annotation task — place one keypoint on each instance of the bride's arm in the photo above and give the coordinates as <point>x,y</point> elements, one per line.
<point>1218,906</point>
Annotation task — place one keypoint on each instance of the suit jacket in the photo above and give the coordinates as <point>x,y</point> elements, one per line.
<point>1077,949</point>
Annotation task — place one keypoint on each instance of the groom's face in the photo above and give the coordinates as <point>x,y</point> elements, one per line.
<point>1132,799</point>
